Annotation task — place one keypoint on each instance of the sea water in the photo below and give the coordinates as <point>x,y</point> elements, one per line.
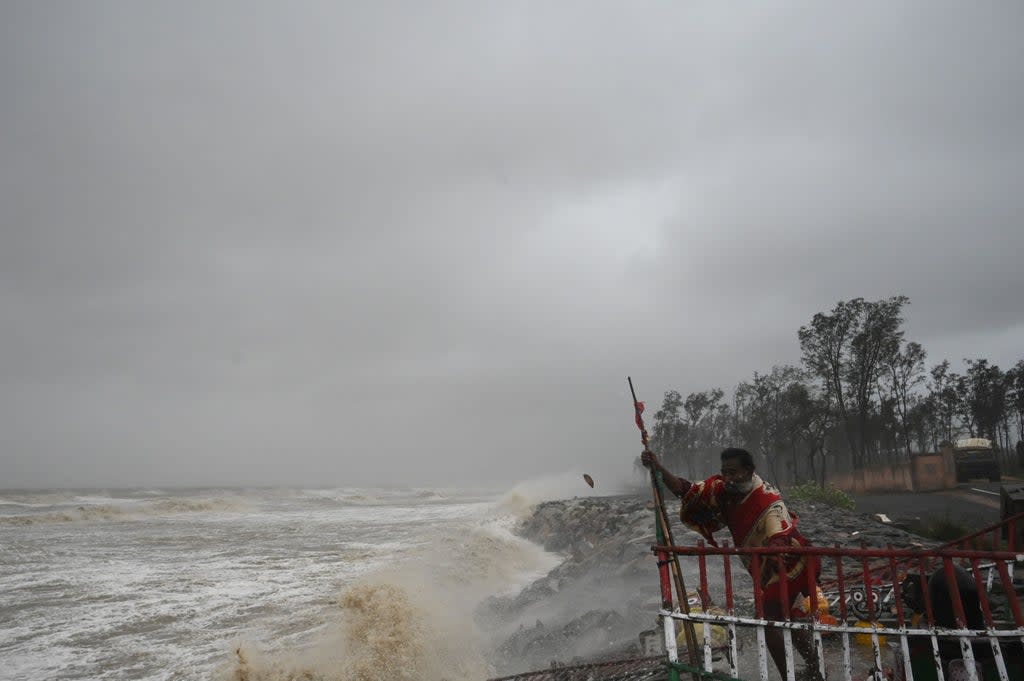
<point>353,584</point>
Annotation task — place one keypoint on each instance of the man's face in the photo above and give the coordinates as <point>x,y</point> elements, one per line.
<point>738,478</point>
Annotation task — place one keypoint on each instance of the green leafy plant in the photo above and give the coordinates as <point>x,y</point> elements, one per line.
<point>812,491</point>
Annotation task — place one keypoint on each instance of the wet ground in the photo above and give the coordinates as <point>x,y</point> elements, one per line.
<point>974,504</point>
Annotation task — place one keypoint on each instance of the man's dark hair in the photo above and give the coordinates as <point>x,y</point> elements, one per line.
<point>736,453</point>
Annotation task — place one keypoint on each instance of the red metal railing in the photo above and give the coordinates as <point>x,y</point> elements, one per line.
<point>998,536</point>
<point>952,616</point>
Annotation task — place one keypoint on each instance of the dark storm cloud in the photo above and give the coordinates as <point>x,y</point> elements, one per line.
<point>392,243</point>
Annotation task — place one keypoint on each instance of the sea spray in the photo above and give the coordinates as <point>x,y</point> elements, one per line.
<point>190,588</point>
<point>526,495</point>
<point>385,634</point>
<point>413,619</point>
<point>383,631</point>
<point>486,561</point>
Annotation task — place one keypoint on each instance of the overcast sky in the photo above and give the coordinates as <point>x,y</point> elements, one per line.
<point>425,243</point>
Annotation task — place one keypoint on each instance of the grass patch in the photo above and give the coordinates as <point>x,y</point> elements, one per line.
<point>812,491</point>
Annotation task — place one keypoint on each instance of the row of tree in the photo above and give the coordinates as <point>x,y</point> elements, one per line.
<point>863,394</point>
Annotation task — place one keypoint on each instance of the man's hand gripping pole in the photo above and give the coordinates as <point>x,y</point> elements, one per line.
<point>663,532</point>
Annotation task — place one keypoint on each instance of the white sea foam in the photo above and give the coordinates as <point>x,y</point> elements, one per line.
<point>95,499</point>
<point>105,509</point>
<point>173,594</point>
<point>23,504</point>
<point>412,618</point>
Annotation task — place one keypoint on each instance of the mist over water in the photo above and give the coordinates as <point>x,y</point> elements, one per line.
<point>254,584</point>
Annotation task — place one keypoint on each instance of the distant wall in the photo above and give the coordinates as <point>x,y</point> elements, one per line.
<point>923,473</point>
<point>933,471</point>
<point>894,478</point>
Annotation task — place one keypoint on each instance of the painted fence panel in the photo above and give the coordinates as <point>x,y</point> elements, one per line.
<point>907,614</point>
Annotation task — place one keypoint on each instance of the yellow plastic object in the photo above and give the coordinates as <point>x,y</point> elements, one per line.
<point>802,608</point>
<point>865,639</point>
<point>719,634</point>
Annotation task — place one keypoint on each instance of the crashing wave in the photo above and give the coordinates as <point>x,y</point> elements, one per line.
<point>384,631</point>
<point>111,512</point>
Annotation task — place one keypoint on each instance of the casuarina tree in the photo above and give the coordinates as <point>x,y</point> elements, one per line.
<point>848,349</point>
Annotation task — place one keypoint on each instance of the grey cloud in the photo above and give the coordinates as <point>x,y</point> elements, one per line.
<point>253,243</point>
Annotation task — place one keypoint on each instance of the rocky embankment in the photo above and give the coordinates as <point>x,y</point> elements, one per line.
<point>594,605</point>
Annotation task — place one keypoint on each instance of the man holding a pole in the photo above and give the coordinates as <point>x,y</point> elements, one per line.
<point>756,516</point>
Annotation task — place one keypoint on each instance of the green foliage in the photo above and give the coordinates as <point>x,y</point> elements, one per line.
<point>812,491</point>
<point>848,349</point>
<point>863,396</point>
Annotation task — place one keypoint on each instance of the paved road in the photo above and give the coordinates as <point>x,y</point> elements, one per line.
<point>973,504</point>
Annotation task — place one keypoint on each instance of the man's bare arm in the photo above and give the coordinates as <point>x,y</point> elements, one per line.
<point>676,485</point>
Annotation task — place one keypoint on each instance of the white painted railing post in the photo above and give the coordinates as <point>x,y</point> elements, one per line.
<point>669,630</point>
